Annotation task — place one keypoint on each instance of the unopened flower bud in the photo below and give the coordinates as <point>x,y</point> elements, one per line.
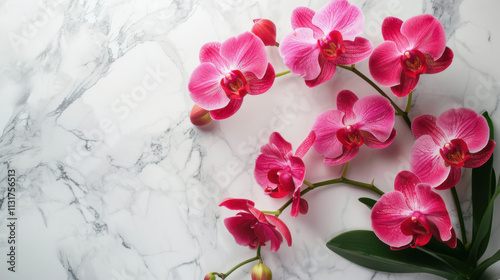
<point>261,272</point>
<point>199,116</point>
<point>265,30</point>
<point>209,276</point>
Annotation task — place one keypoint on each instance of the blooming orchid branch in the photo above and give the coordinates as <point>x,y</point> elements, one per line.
<point>399,111</point>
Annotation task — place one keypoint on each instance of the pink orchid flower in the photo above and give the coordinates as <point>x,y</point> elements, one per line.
<point>280,172</point>
<point>417,46</point>
<point>322,40</point>
<point>411,214</point>
<point>228,72</point>
<point>340,133</point>
<point>252,228</point>
<point>457,138</point>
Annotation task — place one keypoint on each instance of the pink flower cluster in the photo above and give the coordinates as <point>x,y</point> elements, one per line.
<point>406,217</point>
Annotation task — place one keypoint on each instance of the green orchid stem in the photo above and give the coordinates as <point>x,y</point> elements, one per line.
<point>224,275</point>
<point>460,215</point>
<point>400,112</point>
<point>408,103</point>
<point>311,186</point>
<point>281,73</point>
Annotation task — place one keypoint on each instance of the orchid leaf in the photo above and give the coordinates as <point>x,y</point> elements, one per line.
<point>369,202</point>
<point>364,248</point>
<point>484,265</point>
<point>483,233</point>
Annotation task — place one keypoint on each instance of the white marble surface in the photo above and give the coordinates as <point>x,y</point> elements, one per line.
<point>115,183</point>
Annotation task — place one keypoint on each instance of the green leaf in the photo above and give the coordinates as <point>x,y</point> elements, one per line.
<point>490,125</point>
<point>456,257</point>
<point>484,265</point>
<point>483,232</point>
<point>367,201</point>
<point>364,248</point>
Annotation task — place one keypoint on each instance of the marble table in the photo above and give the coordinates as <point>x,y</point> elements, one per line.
<point>115,183</point>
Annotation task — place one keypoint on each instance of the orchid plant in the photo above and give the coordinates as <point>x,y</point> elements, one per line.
<point>412,229</point>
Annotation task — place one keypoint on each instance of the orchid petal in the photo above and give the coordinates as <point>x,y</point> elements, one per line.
<point>294,212</point>
<point>345,101</point>
<point>433,207</point>
<point>385,64</point>
<point>304,206</point>
<point>263,164</point>
<point>375,115</point>
<point>279,142</point>
<point>210,53</point>
<point>204,87</point>
<point>302,18</point>
<point>300,52</point>
<point>306,145</point>
<point>259,86</point>
<point>346,156</point>
<point>405,182</point>
<point>341,16</point>
<point>237,204</point>
<point>451,180</point>
<point>374,143</point>
<point>246,53</point>
<point>465,124</point>
<point>355,51</point>
<point>328,68</point>
<point>388,214</point>
<point>426,34</point>
<point>426,125</point>
<point>427,163</point>
<point>440,64</point>
<point>231,108</point>
<point>281,226</point>
<point>479,158</point>
<point>391,31</point>
<point>406,85</point>
<point>240,227</point>
<point>298,171</point>
<point>265,233</point>
<point>326,126</point>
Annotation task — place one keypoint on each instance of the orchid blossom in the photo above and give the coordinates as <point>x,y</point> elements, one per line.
<point>457,138</point>
<point>340,133</point>
<point>228,72</point>
<point>280,172</point>
<point>250,227</point>
<point>411,48</point>
<point>411,214</point>
<point>319,41</point>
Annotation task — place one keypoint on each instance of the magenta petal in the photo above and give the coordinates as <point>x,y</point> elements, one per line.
<point>265,232</point>
<point>433,207</point>
<point>210,52</point>
<point>405,182</point>
<point>427,163</point>
<point>426,125</point>
<point>441,64</point>
<point>326,126</point>
<point>374,143</point>
<point>302,18</point>
<point>479,158</point>
<point>259,86</point>
<point>426,34</point>
<point>406,85</point>
<point>300,52</point>
<point>345,101</point>
<point>385,64</point>
<point>327,71</point>
<point>204,87</point>
<point>465,124</point>
<point>263,165</point>
<point>388,214</point>
<point>375,115</point>
<point>304,206</point>
<point>241,228</point>
<point>294,212</point>
<point>355,51</point>
<point>232,107</point>
<point>298,171</point>
<point>391,31</point>
<point>237,204</point>
<point>282,228</point>
<point>346,156</point>
<point>246,53</point>
<point>279,142</point>
<point>451,180</point>
<point>341,16</point>
<point>306,144</point>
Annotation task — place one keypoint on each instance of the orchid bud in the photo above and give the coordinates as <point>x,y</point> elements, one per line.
<point>199,116</point>
<point>209,276</point>
<point>261,272</point>
<point>265,30</point>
